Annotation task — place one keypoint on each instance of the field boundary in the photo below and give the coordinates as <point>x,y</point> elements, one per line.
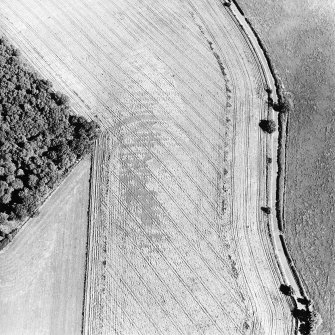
<point>280,155</point>
<point>281,163</point>
<point>282,143</point>
<point>88,240</point>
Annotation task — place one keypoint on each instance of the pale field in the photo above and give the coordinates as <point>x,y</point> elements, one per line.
<point>178,244</point>
<point>43,269</point>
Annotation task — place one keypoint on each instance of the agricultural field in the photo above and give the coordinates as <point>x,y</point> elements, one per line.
<point>177,242</point>
<point>300,40</point>
<point>43,269</point>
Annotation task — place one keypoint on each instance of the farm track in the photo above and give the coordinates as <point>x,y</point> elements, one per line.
<point>178,243</point>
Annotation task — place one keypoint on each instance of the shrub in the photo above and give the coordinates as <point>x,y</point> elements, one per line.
<point>309,320</point>
<point>305,329</point>
<point>269,126</point>
<point>3,218</point>
<point>285,104</point>
<point>286,289</point>
<point>301,314</point>
<point>266,210</point>
<point>304,301</point>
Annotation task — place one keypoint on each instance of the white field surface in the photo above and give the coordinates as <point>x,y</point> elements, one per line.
<point>43,269</point>
<point>178,244</point>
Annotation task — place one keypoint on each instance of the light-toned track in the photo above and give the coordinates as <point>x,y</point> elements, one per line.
<point>178,243</point>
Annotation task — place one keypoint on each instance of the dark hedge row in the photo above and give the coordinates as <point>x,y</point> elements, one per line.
<point>39,139</point>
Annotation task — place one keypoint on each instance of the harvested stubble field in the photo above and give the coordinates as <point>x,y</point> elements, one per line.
<point>301,41</point>
<point>43,269</point>
<point>178,244</point>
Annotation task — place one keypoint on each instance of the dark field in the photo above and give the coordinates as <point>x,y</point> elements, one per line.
<point>300,39</point>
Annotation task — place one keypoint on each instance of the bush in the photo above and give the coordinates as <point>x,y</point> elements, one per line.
<point>269,126</point>
<point>309,320</point>
<point>285,104</point>
<point>286,289</point>
<point>266,210</point>
<point>3,218</point>
<point>301,314</point>
<point>304,301</point>
<point>305,329</point>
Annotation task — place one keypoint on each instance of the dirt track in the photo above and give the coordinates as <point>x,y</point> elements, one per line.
<point>178,242</point>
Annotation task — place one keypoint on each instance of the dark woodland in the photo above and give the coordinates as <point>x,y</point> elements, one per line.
<point>40,139</point>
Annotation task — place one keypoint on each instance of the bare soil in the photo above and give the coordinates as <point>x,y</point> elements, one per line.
<point>300,40</point>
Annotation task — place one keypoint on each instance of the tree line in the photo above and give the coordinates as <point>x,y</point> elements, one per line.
<point>40,138</point>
